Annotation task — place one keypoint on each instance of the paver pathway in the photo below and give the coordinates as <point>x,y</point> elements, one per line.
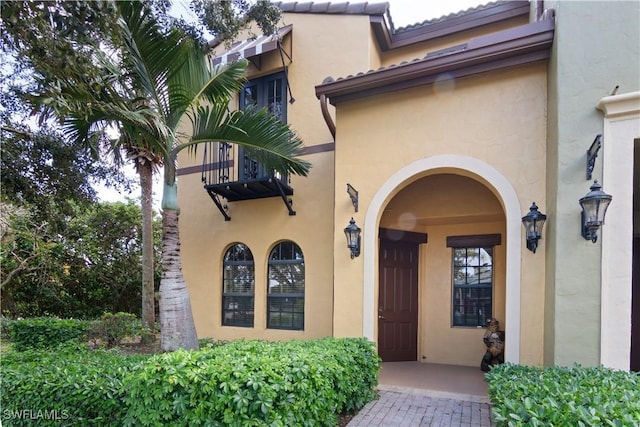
<point>408,409</point>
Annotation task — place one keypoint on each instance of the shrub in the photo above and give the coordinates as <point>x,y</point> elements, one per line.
<point>253,383</point>
<point>210,343</point>
<point>46,332</point>
<point>68,386</point>
<point>244,383</point>
<point>5,329</point>
<point>113,328</point>
<point>542,396</point>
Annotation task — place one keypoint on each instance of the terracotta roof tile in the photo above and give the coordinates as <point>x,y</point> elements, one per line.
<point>349,8</point>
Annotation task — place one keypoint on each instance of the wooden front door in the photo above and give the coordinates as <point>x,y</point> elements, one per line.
<point>398,301</point>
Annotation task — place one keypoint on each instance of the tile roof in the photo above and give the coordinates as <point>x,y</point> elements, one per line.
<point>367,8</point>
<point>360,8</point>
<point>514,46</point>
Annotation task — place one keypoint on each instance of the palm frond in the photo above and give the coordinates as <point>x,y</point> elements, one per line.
<point>269,140</point>
<point>153,55</point>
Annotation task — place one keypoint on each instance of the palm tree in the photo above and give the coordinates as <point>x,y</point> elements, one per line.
<point>159,81</point>
<point>179,86</point>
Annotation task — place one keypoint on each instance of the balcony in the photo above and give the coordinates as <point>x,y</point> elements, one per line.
<point>241,179</point>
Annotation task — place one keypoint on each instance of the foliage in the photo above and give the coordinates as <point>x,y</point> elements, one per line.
<point>145,84</point>
<point>43,171</point>
<point>577,396</point>
<point>105,272</point>
<point>68,386</point>
<point>113,328</point>
<point>46,332</point>
<point>252,383</point>
<point>211,343</point>
<point>58,36</point>
<point>226,18</point>
<point>238,384</point>
<point>5,328</point>
<point>80,271</point>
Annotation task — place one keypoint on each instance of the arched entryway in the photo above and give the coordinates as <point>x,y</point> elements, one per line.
<point>486,177</point>
<point>441,270</point>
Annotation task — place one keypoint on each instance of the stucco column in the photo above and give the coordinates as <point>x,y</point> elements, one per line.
<point>621,128</point>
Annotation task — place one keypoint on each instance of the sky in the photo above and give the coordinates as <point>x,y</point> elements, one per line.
<point>403,13</point>
<point>407,12</point>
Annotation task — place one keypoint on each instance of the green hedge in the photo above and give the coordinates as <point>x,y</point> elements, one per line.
<point>113,328</point>
<point>252,383</point>
<point>558,396</point>
<point>239,384</point>
<point>46,332</point>
<point>68,386</point>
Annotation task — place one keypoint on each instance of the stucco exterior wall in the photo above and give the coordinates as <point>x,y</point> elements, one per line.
<point>439,342</point>
<point>586,65</point>
<point>498,118</point>
<point>260,224</point>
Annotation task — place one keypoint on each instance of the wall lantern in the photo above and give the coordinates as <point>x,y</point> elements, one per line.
<point>533,223</point>
<point>352,231</point>
<point>594,208</point>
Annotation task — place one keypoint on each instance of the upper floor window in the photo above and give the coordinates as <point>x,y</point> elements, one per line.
<point>472,273</point>
<point>285,287</point>
<point>238,286</point>
<point>269,91</point>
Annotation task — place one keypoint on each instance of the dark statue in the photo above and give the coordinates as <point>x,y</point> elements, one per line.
<point>494,340</point>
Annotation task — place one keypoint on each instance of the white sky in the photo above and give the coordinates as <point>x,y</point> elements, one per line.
<point>408,12</point>
<point>403,13</point>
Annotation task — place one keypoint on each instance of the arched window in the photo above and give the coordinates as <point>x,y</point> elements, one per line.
<point>285,287</point>
<point>238,281</point>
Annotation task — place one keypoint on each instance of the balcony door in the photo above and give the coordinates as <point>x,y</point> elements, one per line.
<point>265,92</point>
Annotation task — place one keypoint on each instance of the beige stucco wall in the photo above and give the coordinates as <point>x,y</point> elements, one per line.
<point>498,118</point>
<point>439,342</point>
<point>261,224</point>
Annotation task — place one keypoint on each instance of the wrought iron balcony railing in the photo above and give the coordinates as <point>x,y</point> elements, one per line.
<point>240,179</point>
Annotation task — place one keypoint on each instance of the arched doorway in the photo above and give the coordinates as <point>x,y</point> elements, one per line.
<point>441,270</point>
<point>487,177</point>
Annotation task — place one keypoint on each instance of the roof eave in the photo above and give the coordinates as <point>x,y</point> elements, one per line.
<point>515,46</point>
<point>486,15</point>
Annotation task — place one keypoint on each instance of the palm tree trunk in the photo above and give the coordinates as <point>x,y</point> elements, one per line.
<point>145,170</point>
<point>177,328</point>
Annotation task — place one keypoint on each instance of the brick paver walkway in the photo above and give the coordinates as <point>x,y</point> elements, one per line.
<point>408,409</point>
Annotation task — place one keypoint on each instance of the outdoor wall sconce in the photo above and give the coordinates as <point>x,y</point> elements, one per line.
<point>594,207</point>
<point>353,194</point>
<point>533,223</point>
<point>352,231</point>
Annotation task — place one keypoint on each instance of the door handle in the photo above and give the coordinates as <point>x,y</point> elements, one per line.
<point>380,316</point>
